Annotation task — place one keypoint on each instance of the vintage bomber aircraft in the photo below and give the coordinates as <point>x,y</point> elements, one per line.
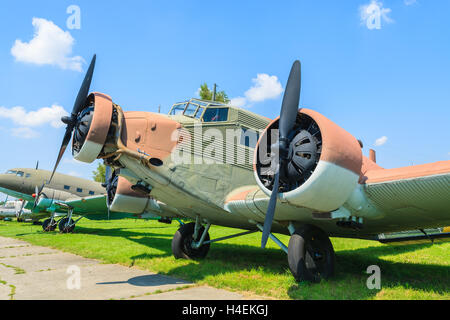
<point>67,195</point>
<point>311,182</point>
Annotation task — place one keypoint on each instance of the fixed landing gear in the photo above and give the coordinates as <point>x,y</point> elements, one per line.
<point>66,225</point>
<point>310,254</point>
<point>189,242</point>
<point>49,225</point>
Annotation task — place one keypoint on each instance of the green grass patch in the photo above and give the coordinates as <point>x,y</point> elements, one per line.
<point>407,272</point>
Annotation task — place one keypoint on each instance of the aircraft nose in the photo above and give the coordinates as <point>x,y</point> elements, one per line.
<point>6,181</point>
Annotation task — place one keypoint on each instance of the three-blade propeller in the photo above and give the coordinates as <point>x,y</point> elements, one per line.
<point>37,194</point>
<point>288,116</point>
<point>77,108</point>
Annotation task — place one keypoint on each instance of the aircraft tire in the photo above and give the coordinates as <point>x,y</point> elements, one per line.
<point>47,227</point>
<point>310,254</point>
<point>182,240</point>
<point>62,226</point>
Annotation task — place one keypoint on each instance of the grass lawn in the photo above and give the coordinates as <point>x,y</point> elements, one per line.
<point>407,272</point>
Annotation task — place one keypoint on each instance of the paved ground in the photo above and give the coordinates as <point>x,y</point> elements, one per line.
<point>33,272</point>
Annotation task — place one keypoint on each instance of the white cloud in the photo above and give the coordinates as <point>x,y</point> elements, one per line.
<point>24,133</point>
<point>238,102</point>
<point>373,13</point>
<point>264,87</point>
<point>50,45</point>
<point>40,117</point>
<point>381,141</point>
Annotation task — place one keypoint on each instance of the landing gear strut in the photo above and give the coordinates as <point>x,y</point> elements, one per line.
<point>49,225</point>
<point>66,225</point>
<point>310,254</point>
<point>188,242</point>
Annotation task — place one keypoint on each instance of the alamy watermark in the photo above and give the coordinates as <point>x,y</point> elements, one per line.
<point>229,146</point>
<point>374,280</point>
<point>373,14</point>
<point>74,20</point>
<point>74,280</point>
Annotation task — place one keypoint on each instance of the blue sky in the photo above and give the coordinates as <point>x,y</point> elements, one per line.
<point>391,82</point>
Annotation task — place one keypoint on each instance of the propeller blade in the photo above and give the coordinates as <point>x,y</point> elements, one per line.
<point>288,116</point>
<point>37,193</point>
<point>291,99</point>
<point>108,174</point>
<point>77,107</point>
<point>84,89</point>
<point>270,210</point>
<point>19,214</point>
<point>64,144</point>
<point>37,164</point>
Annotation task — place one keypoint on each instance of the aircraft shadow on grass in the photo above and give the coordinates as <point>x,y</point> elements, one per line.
<point>150,280</point>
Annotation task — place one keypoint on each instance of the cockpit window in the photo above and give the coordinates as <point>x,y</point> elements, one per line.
<point>190,110</point>
<point>202,103</point>
<point>199,112</point>
<point>20,173</point>
<point>11,172</point>
<point>215,115</point>
<point>178,109</point>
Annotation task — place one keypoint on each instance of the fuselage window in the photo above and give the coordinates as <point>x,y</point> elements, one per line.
<point>20,173</point>
<point>91,193</point>
<point>67,187</point>
<point>11,172</point>
<point>27,175</point>
<point>215,115</point>
<point>79,190</point>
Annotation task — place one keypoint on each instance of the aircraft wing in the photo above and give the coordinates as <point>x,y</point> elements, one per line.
<point>413,196</point>
<point>97,205</point>
<point>86,205</point>
<point>15,194</point>
<point>409,198</point>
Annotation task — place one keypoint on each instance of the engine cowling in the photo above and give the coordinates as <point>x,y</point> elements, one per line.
<point>325,163</point>
<point>122,198</point>
<point>92,127</point>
